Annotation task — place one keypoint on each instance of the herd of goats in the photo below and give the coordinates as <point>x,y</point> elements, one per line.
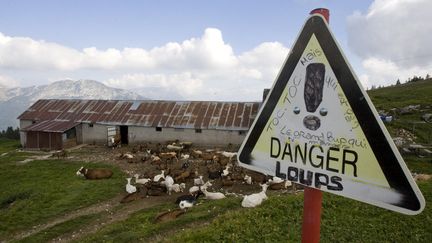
<point>176,165</point>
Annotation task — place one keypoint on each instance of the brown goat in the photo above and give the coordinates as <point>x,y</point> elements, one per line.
<point>94,174</point>
<point>184,175</point>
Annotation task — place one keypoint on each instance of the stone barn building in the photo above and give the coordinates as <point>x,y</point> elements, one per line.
<point>58,123</point>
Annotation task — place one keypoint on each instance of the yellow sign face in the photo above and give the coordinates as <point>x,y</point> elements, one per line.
<point>314,130</point>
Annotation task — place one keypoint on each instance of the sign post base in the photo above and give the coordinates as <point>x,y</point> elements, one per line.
<point>311,215</point>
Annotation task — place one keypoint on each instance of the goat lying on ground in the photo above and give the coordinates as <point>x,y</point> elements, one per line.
<point>93,174</point>
<point>253,200</point>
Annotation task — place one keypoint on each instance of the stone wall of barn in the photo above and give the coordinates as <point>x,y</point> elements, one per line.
<point>93,133</point>
<point>197,136</point>
<point>97,134</point>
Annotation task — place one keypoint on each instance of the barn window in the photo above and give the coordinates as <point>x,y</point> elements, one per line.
<point>158,129</point>
<point>198,130</point>
<point>33,122</point>
<point>91,125</point>
<point>241,133</point>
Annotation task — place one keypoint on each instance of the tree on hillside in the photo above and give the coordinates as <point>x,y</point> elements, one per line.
<point>398,82</point>
<point>10,133</point>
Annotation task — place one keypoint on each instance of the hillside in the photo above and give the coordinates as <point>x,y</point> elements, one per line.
<point>407,103</point>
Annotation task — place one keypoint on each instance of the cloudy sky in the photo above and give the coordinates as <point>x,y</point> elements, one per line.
<point>202,50</point>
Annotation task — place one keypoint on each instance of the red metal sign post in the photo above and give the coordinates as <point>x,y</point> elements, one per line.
<point>313,197</point>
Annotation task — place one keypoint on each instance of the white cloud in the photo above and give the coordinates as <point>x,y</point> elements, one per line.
<point>8,82</point>
<point>393,38</point>
<point>197,68</point>
<point>184,84</point>
<point>385,72</point>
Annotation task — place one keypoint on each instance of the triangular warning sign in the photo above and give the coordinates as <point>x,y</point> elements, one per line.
<point>318,128</point>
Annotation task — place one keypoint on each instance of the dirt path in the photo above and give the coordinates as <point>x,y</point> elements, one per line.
<point>112,217</point>
<point>96,208</point>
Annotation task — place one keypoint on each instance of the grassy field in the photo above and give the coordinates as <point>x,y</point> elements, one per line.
<point>35,192</point>
<point>40,191</point>
<point>278,219</point>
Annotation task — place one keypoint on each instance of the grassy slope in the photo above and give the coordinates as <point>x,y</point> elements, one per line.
<point>417,93</point>
<point>35,192</point>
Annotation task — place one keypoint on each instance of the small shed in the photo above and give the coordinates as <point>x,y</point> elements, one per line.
<point>49,134</point>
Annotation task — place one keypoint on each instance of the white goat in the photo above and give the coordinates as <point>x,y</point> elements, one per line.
<point>185,204</point>
<point>128,156</point>
<point>141,181</point>
<point>169,182</point>
<point>178,187</point>
<point>185,156</point>
<point>199,181</point>
<point>212,195</point>
<point>228,154</point>
<point>160,176</point>
<point>248,179</point>
<point>195,189</point>
<point>174,147</point>
<point>275,180</point>
<point>130,188</point>
<point>225,172</point>
<point>253,200</point>
<point>155,158</point>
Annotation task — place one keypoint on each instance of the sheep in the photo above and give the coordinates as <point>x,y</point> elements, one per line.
<point>248,179</point>
<point>130,188</point>
<point>157,178</point>
<point>253,200</point>
<point>94,174</point>
<point>198,181</point>
<point>141,181</point>
<point>212,195</point>
<point>185,156</point>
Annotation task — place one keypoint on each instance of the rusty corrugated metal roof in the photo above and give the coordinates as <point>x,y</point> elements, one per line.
<point>148,113</point>
<point>51,126</point>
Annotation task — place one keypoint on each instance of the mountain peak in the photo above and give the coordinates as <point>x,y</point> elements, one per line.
<point>16,100</point>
